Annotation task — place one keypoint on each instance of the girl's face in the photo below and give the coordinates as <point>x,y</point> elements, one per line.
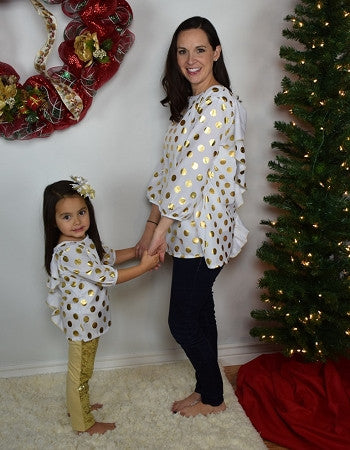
<point>72,218</point>
<point>195,58</point>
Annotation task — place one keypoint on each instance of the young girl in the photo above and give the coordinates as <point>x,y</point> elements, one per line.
<point>81,269</point>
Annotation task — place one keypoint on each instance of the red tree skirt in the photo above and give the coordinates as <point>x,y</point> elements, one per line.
<point>295,404</point>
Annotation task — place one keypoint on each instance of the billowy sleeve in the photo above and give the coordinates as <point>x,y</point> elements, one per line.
<point>81,261</point>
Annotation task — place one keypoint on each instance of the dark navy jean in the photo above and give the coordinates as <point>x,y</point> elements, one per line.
<point>193,325</point>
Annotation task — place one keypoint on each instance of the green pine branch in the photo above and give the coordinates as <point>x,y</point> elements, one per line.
<point>306,290</point>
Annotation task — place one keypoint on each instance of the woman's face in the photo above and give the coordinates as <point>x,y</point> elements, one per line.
<point>195,58</point>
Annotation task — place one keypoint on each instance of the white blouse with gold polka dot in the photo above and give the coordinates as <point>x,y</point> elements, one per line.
<point>201,178</point>
<point>78,289</point>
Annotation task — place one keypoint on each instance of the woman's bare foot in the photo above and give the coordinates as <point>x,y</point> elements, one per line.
<point>202,408</point>
<point>191,400</point>
<point>99,428</point>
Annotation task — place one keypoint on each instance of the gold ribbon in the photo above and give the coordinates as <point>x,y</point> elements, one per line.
<point>68,96</point>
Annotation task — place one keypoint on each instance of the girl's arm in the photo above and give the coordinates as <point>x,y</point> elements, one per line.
<point>147,263</point>
<point>125,254</point>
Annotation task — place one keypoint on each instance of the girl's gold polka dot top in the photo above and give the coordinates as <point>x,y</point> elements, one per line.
<point>78,289</point>
<point>201,178</point>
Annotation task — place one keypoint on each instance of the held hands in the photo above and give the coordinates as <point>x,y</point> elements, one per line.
<point>144,242</point>
<point>154,239</point>
<point>150,261</point>
<point>158,245</point>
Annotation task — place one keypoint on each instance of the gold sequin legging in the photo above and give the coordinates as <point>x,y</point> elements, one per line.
<point>81,359</point>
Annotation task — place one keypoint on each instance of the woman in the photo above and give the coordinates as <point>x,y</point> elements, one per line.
<point>194,193</point>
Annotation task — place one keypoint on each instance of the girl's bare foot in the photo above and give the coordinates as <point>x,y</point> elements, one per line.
<point>93,407</point>
<point>99,428</point>
<point>96,406</point>
<point>191,400</point>
<point>202,408</point>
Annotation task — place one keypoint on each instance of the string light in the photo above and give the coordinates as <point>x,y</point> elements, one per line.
<point>311,320</point>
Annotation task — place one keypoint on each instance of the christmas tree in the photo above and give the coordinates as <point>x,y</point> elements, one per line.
<point>306,288</point>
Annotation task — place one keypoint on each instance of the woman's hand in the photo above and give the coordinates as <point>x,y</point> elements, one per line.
<point>151,224</point>
<point>145,240</point>
<point>158,246</point>
<point>158,242</point>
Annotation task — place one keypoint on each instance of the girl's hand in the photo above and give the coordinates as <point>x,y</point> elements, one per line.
<point>150,262</point>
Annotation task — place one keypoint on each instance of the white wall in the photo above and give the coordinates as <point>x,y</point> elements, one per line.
<point>116,147</point>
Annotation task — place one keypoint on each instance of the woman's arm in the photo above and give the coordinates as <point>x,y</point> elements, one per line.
<point>150,226</point>
<point>158,242</point>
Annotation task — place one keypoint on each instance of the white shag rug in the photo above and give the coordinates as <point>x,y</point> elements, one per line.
<point>33,414</point>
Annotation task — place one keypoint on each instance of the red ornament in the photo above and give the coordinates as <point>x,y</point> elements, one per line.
<point>33,102</point>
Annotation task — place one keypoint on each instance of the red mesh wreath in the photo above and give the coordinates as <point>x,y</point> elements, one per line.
<point>95,43</point>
